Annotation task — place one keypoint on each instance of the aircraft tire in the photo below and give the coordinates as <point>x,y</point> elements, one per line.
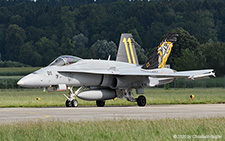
<point>141,100</point>
<point>100,103</point>
<point>74,103</point>
<point>68,103</point>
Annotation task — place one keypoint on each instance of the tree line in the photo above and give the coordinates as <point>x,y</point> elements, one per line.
<point>35,33</point>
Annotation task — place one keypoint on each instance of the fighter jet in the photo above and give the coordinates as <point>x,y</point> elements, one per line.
<point>101,80</point>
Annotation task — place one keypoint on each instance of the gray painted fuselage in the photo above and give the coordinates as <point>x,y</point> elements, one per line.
<point>51,75</point>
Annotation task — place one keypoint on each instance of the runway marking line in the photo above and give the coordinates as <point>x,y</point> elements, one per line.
<point>46,116</point>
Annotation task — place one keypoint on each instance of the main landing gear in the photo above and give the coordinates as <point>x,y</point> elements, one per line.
<point>100,103</point>
<point>128,94</point>
<point>141,100</point>
<point>71,101</point>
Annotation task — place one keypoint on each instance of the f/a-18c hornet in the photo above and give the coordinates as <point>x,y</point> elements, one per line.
<point>106,79</point>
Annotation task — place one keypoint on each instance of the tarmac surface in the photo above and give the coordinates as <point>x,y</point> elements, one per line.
<point>151,112</point>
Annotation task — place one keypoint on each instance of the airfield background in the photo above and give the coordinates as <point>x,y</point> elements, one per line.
<point>35,32</point>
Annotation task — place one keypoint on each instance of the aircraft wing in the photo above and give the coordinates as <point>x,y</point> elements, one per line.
<point>197,74</point>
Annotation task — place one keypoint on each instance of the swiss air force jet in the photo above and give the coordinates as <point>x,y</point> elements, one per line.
<point>106,79</point>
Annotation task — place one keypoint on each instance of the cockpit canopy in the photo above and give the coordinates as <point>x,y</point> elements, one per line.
<point>65,60</point>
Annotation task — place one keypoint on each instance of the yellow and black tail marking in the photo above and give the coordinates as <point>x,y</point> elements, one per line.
<point>129,50</point>
<point>126,51</point>
<point>160,56</point>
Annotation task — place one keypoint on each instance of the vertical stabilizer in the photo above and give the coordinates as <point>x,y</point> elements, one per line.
<point>126,50</point>
<point>160,56</point>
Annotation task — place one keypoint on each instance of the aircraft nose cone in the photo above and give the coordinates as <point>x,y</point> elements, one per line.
<point>20,83</point>
<point>31,80</point>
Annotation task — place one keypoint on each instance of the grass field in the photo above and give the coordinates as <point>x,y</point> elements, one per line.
<point>164,129</point>
<point>27,97</point>
<point>14,71</point>
<point>124,130</point>
<point>11,77</point>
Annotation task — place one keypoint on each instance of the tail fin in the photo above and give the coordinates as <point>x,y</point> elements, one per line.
<point>126,51</point>
<point>159,57</point>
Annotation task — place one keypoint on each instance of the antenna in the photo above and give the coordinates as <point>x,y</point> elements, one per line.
<point>109,57</point>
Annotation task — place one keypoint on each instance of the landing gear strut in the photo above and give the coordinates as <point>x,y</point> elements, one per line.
<point>71,101</point>
<point>100,103</point>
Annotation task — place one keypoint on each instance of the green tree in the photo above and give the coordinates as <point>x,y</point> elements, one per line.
<point>188,61</point>
<point>136,36</point>
<point>157,29</point>
<point>15,37</point>
<point>205,25</point>
<point>26,53</point>
<point>68,17</point>
<point>17,19</point>
<point>184,41</point>
<point>2,38</point>
<point>36,59</point>
<point>34,34</point>
<point>59,21</point>
<point>102,49</point>
<point>81,45</point>
<point>81,40</point>
<point>68,47</point>
<point>48,49</point>
<point>142,58</point>
<point>214,58</point>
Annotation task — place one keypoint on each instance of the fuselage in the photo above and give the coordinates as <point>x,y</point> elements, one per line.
<point>52,75</point>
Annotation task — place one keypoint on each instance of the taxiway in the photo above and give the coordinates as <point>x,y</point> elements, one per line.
<point>151,112</point>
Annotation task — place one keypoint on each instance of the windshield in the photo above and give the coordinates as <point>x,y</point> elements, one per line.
<point>64,60</point>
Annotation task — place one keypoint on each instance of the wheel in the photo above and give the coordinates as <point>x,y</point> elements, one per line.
<point>74,103</point>
<point>68,103</point>
<point>100,103</point>
<point>141,101</point>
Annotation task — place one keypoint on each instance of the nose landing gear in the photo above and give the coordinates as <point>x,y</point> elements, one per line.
<point>73,103</point>
<point>71,100</point>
